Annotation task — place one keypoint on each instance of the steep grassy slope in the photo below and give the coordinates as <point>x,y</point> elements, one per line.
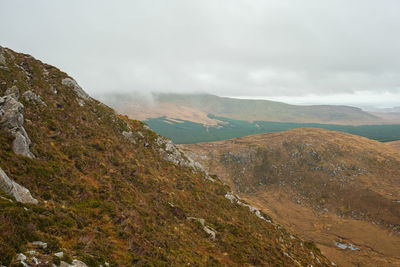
<point>395,144</point>
<point>329,186</point>
<point>107,190</point>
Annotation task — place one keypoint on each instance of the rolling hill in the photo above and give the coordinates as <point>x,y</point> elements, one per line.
<point>83,186</point>
<point>187,119</point>
<point>395,144</point>
<point>340,190</point>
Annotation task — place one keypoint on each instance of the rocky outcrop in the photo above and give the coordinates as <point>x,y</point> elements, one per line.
<point>130,136</point>
<point>20,193</point>
<point>69,82</point>
<point>12,119</point>
<point>30,96</point>
<point>234,199</point>
<point>171,153</point>
<point>2,57</point>
<point>206,228</point>
<point>75,263</point>
<point>37,254</point>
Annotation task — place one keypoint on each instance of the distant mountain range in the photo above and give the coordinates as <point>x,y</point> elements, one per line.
<point>201,117</point>
<point>340,190</point>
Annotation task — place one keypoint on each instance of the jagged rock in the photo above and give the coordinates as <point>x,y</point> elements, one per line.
<point>81,102</point>
<point>2,57</point>
<point>12,120</point>
<point>32,97</point>
<point>74,85</point>
<point>21,145</point>
<point>75,263</point>
<point>59,254</point>
<point>20,257</point>
<point>235,199</point>
<point>206,228</point>
<point>171,153</point>
<point>11,113</point>
<point>13,92</point>
<point>130,136</point>
<point>20,193</point>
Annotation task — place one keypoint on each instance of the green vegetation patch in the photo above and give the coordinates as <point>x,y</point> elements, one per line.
<point>187,132</point>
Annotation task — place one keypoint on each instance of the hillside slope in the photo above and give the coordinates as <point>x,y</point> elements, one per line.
<point>395,144</point>
<point>188,119</point>
<point>335,188</point>
<point>106,190</point>
<point>265,110</point>
<point>198,106</point>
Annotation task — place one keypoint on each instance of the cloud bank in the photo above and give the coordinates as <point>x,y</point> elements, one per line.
<point>225,47</point>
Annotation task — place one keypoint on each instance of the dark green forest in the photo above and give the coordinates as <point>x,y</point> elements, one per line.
<point>186,132</point>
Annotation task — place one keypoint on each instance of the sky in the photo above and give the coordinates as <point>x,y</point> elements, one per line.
<point>302,52</point>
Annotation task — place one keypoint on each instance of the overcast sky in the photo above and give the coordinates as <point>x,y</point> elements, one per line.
<point>308,49</point>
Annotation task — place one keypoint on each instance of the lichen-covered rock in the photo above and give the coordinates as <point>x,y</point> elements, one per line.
<point>13,92</point>
<point>12,119</point>
<point>11,116</point>
<point>75,263</point>
<point>30,96</point>
<point>21,144</point>
<point>234,199</point>
<point>20,193</point>
<point>2,57</point>
<point>130,136</point>
<point>206,228</point>
<point>171,153</point>
<point>69,82</point>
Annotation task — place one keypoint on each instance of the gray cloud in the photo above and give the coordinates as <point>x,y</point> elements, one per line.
<point>226,47</point>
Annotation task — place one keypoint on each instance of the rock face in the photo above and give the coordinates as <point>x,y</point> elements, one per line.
<point>12,119</point>
<point>206,228</point>
<point>75,263</point>
<point>171,153</point>
<point>32,97</point>
<point>2,58</point>
<point>20,193</point>
<point>74,85</point>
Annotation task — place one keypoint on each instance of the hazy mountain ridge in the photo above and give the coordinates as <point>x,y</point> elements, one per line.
<point>111,191</point>
<point>328,186</point>
<point>193,118</point>
<point>239,109</point>
<point>265,110</point>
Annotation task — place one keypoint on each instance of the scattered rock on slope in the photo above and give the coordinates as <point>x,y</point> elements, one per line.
<point>20,193</point>
<point>12,119</point>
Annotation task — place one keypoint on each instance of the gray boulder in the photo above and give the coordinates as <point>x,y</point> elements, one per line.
<point>130,136</point>
<point>12,119</point>
<point>21,144</point>
<point>75,263</point>
<point>69,82</point>
<point>13,92</point>
<point>20,193</point>
<point>11,110</point>
<point>30,96</point>
<point>206,228</point>
<point>170,152</point>
<point>2,57</point>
